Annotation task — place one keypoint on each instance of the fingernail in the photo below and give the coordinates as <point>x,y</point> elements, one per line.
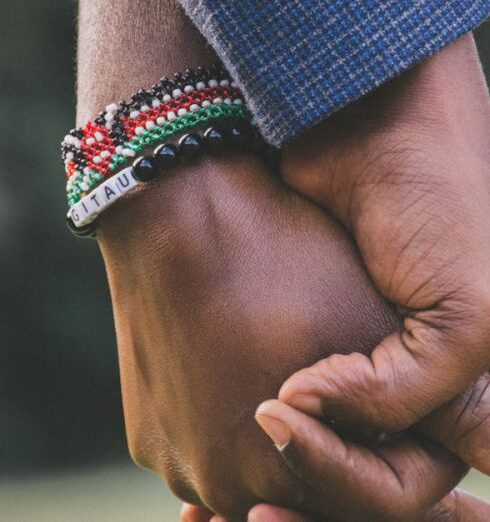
<point>309,404</point>
<point>276,429</point>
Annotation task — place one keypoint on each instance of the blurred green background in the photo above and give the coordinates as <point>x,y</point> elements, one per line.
<point>62,448</point>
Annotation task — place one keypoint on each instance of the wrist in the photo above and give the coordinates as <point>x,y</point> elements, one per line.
<point>117,58</point>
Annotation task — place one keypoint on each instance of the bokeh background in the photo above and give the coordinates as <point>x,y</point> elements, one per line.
<point>62,448</point>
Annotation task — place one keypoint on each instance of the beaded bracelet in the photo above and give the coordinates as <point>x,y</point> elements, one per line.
<point>201,110</point>
<point>117,135</point>
<point>223,135</point>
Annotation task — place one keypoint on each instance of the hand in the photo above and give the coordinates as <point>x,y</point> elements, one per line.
<point>224,283</point>
<point>407,171</point>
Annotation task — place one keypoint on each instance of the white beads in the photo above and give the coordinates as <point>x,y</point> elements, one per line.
<point>228,101</point>
<point>176,93</point>
<point>145,108</point>
<point>167,97</point>
<point>200,86</point>
<point>90,141</point>
<point>72,140</point>
<point>119,150</point>
<point>109,116</point>
<point>213,83</point>
<point>139,131</point>
<point>108,192</point>
<point>238,101</point>
<point>155,103</point>
<point>224,83</point>
<point>171,116</point>
<point>112,108</point>
<point>128,153</point>
<point>182,112</point>
<point>205,103</point>
<point>134,114</point>
<point>160,120</point>
<point>149,125</point>
<point>105,154</point>
<point>98,136</point>
<point>218,101</point>
<point>194,107</point>
<point>96,159</point>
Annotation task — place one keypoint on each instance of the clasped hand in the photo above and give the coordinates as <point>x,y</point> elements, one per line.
<point>231,281</point>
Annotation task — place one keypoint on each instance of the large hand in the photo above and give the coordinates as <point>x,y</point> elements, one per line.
<point>407,170</point>
<point>224,283</point>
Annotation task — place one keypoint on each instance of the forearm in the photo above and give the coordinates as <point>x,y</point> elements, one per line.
<point>125,47</point>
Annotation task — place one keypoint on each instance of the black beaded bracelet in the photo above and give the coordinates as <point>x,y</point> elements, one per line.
<point>216,137</point>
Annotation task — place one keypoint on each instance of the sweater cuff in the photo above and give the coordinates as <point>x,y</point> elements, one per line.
<point>298,61</point>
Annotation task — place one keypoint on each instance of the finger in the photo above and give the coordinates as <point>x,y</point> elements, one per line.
<point>190,513</point>
<point>396,386</point>
<point>267,513</point>
<point>462,425</point>
<point>401,480</point>
<point>459,506</point>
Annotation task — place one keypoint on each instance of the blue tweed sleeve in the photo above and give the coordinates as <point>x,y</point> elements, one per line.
<point>297,61</point>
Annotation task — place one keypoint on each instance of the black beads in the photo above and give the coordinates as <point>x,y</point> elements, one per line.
<point>238,136</point>
<point>165,156</point>
<point>190,146</point>
<point>86,232</point>
<point>144,169</point>
<point>213,139</point>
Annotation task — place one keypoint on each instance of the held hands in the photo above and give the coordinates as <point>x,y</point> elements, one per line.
<point>226,283</point>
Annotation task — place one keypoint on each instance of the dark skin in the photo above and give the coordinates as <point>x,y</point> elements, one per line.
<point>407,171</point>
<point>224,283</point>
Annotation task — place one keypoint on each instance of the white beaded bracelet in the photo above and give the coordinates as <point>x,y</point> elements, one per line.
<point>90,206</point>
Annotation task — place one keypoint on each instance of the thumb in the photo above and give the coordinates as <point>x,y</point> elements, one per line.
<point>398,481</point>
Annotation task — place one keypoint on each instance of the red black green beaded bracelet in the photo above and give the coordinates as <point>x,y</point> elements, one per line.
<point>117,135</point>
<point>201,110</point>
<point>224,135</point>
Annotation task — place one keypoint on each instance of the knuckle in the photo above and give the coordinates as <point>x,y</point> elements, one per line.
<point>182,490</point>
<point>347,374</point>
<point>140,454</point>
<point>166,465</point>
<point>221,498</point>
<point>303,381</point>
